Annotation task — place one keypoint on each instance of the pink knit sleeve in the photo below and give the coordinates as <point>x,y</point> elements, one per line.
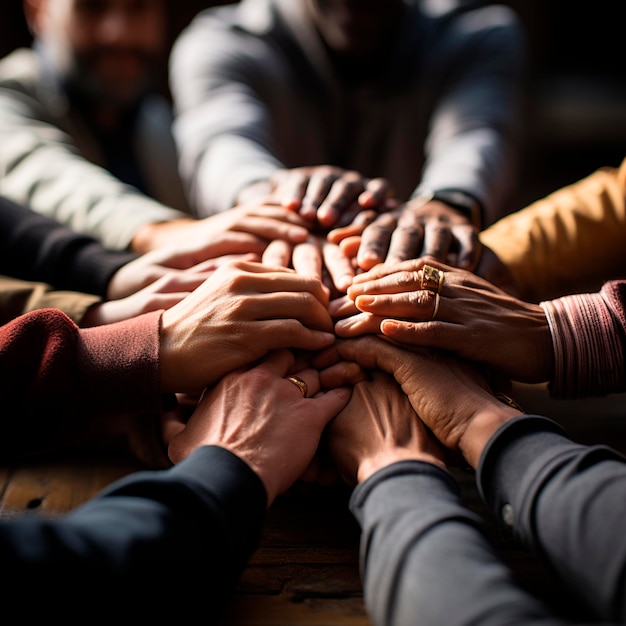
<point>588,337</point>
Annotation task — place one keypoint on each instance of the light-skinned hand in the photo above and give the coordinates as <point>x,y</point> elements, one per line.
<point>260,416</point>
<point>242,311</point>
<point>242,229</point>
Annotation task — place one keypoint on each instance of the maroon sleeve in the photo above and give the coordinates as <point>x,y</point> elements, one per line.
<point>56,376</point>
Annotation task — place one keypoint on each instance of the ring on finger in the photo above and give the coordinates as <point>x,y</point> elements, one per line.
<point>436,309</point>
<point>300,384</point>
<point>432,278</point>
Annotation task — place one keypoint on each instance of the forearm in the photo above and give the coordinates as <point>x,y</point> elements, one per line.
<point>50,175</point>
<point>564,500</point>
<point>421,548</point>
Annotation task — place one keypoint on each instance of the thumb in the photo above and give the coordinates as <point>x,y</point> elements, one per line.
<point>369,352</point>
<point>330,403</point>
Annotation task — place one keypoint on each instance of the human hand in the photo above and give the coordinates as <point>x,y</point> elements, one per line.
<point>329,195</point>
<point>378,427</point>
<point>242,229</point>
<point>183,259</point>
<point>163,293</point>
<point>263,418</point>
<point>237,315</point>
<point>451,396</point>
<point>314,257</point>
<point>415,229</point>
<point>473,318</point>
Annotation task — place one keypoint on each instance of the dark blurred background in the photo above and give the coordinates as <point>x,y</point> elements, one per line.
<point>575,114</point>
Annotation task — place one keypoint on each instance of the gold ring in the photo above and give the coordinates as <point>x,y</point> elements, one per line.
<point>436,309</point>
<point>300,384</point>
<point>432,278</point>
<point>509,401</point>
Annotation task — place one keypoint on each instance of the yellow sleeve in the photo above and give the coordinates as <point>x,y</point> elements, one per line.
<point>571,241</point>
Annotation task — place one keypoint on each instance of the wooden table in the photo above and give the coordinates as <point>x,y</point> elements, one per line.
<point>305,571</point>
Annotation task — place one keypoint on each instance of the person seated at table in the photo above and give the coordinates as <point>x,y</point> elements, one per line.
<point>333,106</point>
<point>87,131</point>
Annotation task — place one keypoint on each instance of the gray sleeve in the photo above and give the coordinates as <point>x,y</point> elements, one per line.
<point>475,127</point>
<point>225,140</point>
<point>564,500</point>
<point>426,559</point>
<point>41,166</point>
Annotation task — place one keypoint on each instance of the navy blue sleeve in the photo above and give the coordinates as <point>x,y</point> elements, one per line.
<point>153,544</point>
<point>37,248</point>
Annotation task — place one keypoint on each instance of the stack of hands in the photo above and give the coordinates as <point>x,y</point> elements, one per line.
<point>370,330</point>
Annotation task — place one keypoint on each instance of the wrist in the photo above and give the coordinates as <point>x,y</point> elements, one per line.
<point>481,428</point>
<point>157,234</point>
<point>372,464</point>
<point>460,201</point>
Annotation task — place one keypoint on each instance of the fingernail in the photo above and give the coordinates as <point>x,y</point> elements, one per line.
<point>344,282</point>
<point>388,326</point>
<point>364,301</point>
<point>298,233</point>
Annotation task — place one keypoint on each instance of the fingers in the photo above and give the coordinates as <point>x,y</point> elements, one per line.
<point>437,240</point>
<point>353,229</point>
<point>278,227</point>
<point>375,240</point>
<point>422,306</point>
<point>341,307</point>
<point>407,239</point>
<point>469,248</point>
<point>319,186</point>
<point>277,254</point>
<point>343,194</point>
<point>342,373</point>
<point>338,265</point>
<point>406,276</point>
<point>361,324</point>
<point>377,191</point>
<point>307,258</point>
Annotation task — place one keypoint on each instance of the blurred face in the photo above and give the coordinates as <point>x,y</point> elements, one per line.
<point>355,28</point>
<point>111,49</point>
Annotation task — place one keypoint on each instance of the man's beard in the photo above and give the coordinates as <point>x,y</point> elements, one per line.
<point>112,91</point>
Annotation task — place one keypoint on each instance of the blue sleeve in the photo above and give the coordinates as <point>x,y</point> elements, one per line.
<point>174,539</point>
<point>37,248</point>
